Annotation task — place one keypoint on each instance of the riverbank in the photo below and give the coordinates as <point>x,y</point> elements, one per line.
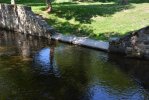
<point>94,20</point>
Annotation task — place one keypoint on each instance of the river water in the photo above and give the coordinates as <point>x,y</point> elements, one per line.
<point>35,68</point>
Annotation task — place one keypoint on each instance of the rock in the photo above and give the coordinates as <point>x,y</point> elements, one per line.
<point>135,44</point>
<point>22,19</point>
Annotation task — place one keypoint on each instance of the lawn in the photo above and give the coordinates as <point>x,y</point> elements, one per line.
<point>96,20</point>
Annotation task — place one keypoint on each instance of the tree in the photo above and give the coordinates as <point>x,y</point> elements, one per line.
<point>124,2</point>
<point>13,2</point>
<point>49,6</point>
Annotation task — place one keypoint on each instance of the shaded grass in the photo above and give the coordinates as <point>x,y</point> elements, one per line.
<point>23,1</point>
<point>139,1</point>
<point>84,12</point>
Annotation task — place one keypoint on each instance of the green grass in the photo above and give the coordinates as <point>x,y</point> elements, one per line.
<point>96,20</point>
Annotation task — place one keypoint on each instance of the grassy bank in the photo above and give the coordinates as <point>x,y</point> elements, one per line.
<point>96,20</point>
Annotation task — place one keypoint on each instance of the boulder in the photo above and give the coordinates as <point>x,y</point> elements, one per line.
<point>135,44</point>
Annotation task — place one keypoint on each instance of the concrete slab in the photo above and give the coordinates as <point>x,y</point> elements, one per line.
<point>82,41</point>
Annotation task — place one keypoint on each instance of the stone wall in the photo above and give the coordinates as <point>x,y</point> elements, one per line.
<point>136,44</point>
<point>22,19</point>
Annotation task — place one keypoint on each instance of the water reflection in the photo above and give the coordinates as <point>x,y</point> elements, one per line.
<point>115,78</point>
<point>64,72</point>
<point>136,68</point>
<point>21,44</point>
<point>106,93</point>
<point>5,42</point>
<point>31,46</point>
<point>44,62</point>
<point>105,79</point>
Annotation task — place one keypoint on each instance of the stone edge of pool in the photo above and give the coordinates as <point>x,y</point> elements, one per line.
<point>82,41</point>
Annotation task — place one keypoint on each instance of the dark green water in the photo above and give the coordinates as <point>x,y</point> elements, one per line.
<point>33,68</point>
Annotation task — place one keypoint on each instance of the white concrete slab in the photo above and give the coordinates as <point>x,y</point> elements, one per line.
<point>82,41</point>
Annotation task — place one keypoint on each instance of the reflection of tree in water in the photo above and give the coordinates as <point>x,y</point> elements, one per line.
<point>7,43</point>
<point>52,48</point>
<point>136,68</point>
<point>44,60</point>
<point>27,46</point>
<point>23,45</point>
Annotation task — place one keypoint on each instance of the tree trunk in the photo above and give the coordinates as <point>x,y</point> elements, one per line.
<point>124,2</point>
<point>13,2</point>
<point>49,6</point>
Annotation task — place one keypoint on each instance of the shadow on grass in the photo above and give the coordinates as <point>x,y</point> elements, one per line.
<point>85,13</point>
<point>79,30</point>
<point>23,1</point>
<point>35,4</point>
<point>107,35</point>
<point>68,28</point>
<point>139,1</point>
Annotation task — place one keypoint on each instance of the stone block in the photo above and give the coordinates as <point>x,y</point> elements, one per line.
<point>135,44</point>
<point>21,19</point>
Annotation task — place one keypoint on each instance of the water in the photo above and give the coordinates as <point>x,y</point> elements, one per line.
<point>33,68</point>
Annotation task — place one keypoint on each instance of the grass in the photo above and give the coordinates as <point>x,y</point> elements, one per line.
<point>96,20</point>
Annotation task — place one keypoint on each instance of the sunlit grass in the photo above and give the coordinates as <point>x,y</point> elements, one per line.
<point>104,22</point>
<point>123,21</point>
